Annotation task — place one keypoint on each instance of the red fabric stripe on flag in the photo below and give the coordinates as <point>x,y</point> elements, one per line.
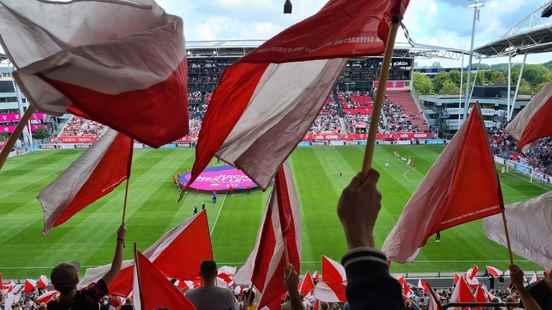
<point>106,176</point>
<point>286,220</point>
<point>156,292</point>
<point>265,252</point>
<point>334,280</point>
<point>341,29</point>
<point>161,119</point>
<point>231,97</point>
<point>539,125</point>
<point>275,288</point>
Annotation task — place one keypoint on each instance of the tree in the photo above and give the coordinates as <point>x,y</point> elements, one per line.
<point>535,74</point>
<point>525,88</point>
<point>422,84</point>
<point>40,134</point>
<point>454,75</point>
<point>449,88</point>
<point>439,79</point>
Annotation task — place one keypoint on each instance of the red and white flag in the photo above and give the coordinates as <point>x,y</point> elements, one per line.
<point>266,102</point>
<point>42,282</point>
<point>307,285</point>
<point>480,296</point>
<point>46,297</point>
<point>533,122</point>
<point>29,286</point>
<point>434,304</point>
<point>117,62</point>
<point>278,242</point>
<point>152,290</point>
<point>178,254</point>
<point>471,276</point>
<point>95,174</point>
<point>445,197</point>
<point>529,228</point>
<point>406,290</point>
<point>494,272</point>
<point>462,294</point>
<point>333,286</point>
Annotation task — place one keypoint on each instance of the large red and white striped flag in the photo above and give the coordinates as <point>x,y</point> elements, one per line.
<point>533,122</point>
<point>278,242</point>
<point>178,254</point>
<point>95,174</point>
<point>265,103</point>
<point>152,290</point>
<point>121,63</point>
<point>445,197</point>
<point>529,228</point>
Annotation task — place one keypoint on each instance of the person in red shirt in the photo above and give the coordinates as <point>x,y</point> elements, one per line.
<point>65,278</point>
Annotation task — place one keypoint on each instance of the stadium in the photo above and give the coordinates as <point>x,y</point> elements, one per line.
<point>415,127</point>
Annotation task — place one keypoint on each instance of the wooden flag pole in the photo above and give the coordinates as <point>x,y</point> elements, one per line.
<point>15,135</point>
<point>127,184</point>
<point>507,236</point>
<point>380,96</point>
<point>125,201</point>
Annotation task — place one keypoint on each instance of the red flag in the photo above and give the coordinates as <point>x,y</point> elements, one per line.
<point>29,286</point>
<point>248,117</point>
<point>178,254</point>
<point>472,272</point>
<point>119,63</point>
<point>462,293</point>
<point>96,173</point>
<point>278,242</point>
<point>533,122</point>
<point>406,290</point>
<point>434,304</point>
<point>424,285</point>
<point>46,297</point>
<point>152,290</point>
<point>307,285</point>
<point>445,197</point>
<point>42,282</point>
<point>333,275</point>
<point>480,296</point>
<point>494,272</point>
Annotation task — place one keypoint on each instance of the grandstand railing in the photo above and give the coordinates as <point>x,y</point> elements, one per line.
<point>476,305</point>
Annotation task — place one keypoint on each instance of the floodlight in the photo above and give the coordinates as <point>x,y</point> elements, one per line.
<point>288,7</point>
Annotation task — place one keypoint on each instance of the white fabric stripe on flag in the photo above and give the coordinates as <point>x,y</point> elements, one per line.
<point>136,294</point>
<point>58,194</point>
<point>278,254</point>
<point>294,201</point>
<point>274,118</point>
<point>54,26</point>
<point>529,227</point>
<point>324,293</point>
<point>152,253</point>
<point>518,125</point>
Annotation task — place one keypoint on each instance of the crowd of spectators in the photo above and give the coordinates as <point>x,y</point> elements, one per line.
<point>81,127</point>
<point>397,120</point>
<point>538,155</point>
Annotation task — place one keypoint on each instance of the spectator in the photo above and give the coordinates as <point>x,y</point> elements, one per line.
<point>537,296</point>
<point>209,296</point>
<point>65,278</point>
<point>369,284</point>
<point>294,301</point>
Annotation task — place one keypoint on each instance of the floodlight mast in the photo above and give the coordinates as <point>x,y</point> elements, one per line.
<point>476,5</point>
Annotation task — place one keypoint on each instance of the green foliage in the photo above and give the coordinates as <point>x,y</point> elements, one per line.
<point>422,84</point>
<point>449,88</point>
<point>41,134</point>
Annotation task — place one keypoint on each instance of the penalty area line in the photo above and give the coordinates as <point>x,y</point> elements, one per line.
<point>218,216</point>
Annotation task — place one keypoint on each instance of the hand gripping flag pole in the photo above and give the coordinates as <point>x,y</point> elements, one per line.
<point>380,96</point>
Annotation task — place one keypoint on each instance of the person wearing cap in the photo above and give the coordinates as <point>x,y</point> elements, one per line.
<point>65,278</point>
<point>209,296</point>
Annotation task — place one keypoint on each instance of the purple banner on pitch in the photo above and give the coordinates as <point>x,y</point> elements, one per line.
<point>219,179</point>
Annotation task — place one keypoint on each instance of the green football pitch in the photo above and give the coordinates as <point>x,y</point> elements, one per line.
<point>320,173</point>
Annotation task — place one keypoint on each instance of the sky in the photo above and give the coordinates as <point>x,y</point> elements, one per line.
<point>437,22</point>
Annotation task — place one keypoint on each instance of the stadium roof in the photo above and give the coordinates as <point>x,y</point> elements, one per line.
<point>531,35</point>
<point>229,48</point>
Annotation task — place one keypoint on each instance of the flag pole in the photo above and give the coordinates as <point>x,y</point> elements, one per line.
<point>507,233</point>
<point>15,135</point>
<point>380,96</point>
<point>128,180</point>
